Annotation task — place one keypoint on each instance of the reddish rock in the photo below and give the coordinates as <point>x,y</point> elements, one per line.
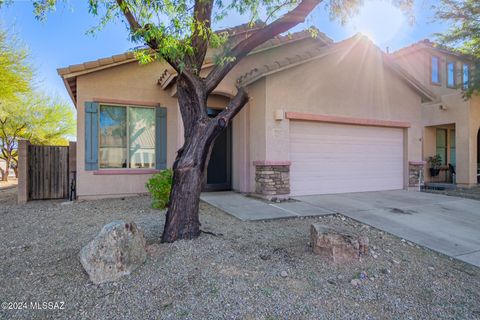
<point>337,245</point>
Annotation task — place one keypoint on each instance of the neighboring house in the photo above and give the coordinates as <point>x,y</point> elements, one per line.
<point>323,117</point>
<point>452,123</point>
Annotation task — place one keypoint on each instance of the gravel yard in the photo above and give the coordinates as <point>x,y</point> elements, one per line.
<point>250,270</point>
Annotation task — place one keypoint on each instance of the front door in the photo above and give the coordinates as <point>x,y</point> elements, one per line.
<point>219,175</point>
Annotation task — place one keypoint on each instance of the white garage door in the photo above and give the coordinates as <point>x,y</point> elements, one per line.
<point>337,158</point>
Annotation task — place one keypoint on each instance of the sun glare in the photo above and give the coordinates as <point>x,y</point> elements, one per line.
<point>379,20</point>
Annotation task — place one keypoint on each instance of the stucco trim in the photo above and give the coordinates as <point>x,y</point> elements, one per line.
<point>272,163</point>
<point>106,172</point>
<point>346,120</point>
<point>127,102</point>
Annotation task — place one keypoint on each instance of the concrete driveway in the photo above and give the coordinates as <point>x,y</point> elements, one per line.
<point>445,224</point>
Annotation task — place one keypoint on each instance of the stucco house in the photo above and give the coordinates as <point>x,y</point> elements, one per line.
<point>323,117</point>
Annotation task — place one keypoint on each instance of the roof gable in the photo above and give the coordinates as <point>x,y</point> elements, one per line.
<point>324,51</point>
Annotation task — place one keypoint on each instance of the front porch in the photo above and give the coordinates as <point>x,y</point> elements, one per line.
<point>457,149</point>
<point>440,141</point>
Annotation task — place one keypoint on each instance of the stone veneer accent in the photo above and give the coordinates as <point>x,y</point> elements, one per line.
<point>272,177</point>
<point>416,175</point>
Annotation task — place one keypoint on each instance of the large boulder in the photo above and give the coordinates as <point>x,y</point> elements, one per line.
<point>116,251</point>
<point>336,244</point>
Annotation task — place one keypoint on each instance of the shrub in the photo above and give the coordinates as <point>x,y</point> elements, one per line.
<point>159,187</point>
<point>435,162</point>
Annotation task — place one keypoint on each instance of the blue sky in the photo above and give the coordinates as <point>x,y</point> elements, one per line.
<point>62,39</point>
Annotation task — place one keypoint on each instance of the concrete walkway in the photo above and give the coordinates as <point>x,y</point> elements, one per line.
<point>250,209</point>
<point>445,224</point>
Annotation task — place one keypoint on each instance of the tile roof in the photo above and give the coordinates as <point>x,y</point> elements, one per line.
<point>427,43</point>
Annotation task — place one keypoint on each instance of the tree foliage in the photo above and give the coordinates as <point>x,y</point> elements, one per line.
<point>463,34</point>
<point>35,117</point>
<point>24,112</point>
<point>15,73</point>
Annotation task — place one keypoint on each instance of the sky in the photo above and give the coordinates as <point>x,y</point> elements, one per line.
<point>61,40</point>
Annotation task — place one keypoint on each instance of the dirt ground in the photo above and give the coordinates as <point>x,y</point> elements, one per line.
<point>249,270</point>
<point>12,182</point>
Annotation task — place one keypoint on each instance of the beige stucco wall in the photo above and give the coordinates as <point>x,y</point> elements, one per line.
<point>417,63</point>
<point>473,145</point>
<point>137,84</point>
<point>131,82</point>
<point>352,83</point>
<point>451,109</point>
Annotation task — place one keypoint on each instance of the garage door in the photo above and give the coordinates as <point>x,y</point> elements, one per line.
<point>337,158</point>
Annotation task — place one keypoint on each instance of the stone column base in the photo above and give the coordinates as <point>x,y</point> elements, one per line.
<point>416,175</point>
<point>272,179</point>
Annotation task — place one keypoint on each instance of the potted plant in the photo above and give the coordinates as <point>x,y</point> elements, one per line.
<point>435,163</point>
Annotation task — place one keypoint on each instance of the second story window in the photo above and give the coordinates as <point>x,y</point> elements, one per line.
<point>435,70</point>
<point>465,76</point>
<point>451,74</point>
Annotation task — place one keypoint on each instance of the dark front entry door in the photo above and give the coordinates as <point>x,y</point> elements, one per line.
<point>219,175</point>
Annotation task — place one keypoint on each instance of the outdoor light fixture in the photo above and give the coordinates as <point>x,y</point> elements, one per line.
<point>279,114</point>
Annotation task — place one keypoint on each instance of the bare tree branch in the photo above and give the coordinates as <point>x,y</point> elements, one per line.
<point>282,24</point>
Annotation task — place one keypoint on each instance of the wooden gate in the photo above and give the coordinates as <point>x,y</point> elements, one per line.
<point>47,172</point>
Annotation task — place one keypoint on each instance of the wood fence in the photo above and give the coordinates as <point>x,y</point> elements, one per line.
<point>45,172</point>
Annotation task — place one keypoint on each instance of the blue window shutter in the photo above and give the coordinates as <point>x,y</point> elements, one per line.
<point>91,136</point>
<point>161,138</point>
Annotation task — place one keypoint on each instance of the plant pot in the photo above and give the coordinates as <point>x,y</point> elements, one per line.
<point>434,172</point>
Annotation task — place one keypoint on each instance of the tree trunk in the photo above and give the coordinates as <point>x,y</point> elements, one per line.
<point>2,175</point>
<point>200,132</point>
<point>6,171</point>
<point>182,221</point>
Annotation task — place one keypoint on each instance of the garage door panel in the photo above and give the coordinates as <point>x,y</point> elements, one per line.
<point>335,158</point>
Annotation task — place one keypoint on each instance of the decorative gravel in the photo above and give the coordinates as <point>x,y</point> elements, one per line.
<point>249,270</point>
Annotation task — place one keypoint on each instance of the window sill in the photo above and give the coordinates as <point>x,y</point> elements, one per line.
<point>107,172</point>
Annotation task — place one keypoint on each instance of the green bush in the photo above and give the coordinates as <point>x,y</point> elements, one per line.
<point>159,187</point>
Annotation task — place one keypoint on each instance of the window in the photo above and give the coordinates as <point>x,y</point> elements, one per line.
<point>465,76</point>
<point>127,137</point>
<point>451,74</point>
<point>442,145</point>
<point>453,157</point>
<point>435,70</point>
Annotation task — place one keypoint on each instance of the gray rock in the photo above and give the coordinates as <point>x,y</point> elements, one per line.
<point>284,274</point>
<point>355,282</point>
<point>116,251</point>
